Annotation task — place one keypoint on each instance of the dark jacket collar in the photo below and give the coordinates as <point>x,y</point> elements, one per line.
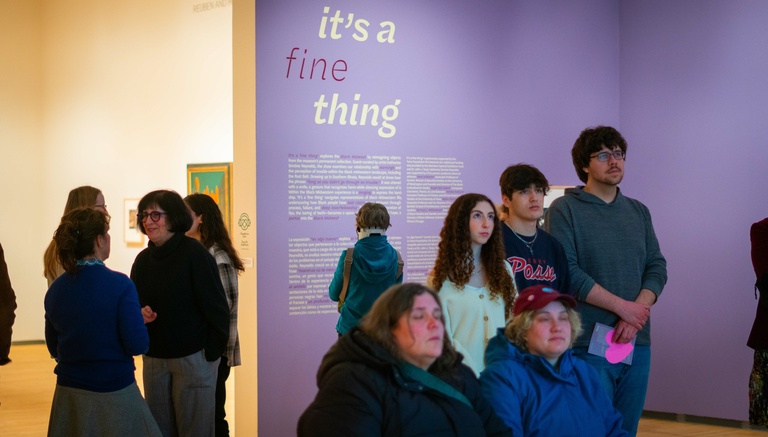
<point>169,247</point>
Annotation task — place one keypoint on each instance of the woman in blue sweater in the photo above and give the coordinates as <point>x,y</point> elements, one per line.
<point>93,328</point>
<point>532,380</point>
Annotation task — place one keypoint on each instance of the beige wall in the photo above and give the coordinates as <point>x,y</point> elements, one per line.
<point>119,95</point>
<point>122,96</point>
<point>23,228</point>
<point>244,49</point>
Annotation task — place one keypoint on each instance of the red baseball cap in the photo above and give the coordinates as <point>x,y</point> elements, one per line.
<point>537,297</point>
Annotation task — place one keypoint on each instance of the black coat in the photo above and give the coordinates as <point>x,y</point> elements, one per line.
<point>363,393</point>
<point>758,340</point>
<point>7,307</point>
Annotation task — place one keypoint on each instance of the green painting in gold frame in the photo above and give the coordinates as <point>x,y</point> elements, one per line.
<point>214,180</point>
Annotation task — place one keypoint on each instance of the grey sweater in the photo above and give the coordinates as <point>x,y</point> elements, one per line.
<point>612,244</point>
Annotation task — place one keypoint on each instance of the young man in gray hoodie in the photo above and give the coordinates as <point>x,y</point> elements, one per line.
<point>617,271</point>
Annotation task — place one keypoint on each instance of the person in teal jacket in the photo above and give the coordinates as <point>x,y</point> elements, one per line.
<point>374,267</point>
<point>534,382</point>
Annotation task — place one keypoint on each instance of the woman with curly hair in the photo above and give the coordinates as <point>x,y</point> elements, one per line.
<point>471,276</point>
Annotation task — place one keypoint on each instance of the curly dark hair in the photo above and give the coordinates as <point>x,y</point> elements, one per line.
<point>592,140</point>
<point>454,252</point>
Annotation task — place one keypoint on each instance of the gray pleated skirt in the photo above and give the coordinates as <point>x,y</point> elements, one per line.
<point>77,412</point>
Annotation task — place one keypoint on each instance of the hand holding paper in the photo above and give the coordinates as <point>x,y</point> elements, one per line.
<point>623,332</point>
<point>616,351</point>
<point>603,345</point>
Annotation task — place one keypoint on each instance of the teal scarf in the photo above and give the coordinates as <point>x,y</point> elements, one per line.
<point>433,382</point>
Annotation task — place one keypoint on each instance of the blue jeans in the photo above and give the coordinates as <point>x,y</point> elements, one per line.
<point>626,385</point>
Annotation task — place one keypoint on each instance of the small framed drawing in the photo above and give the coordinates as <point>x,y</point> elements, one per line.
<point>132,233</point>
<point>214,180</point>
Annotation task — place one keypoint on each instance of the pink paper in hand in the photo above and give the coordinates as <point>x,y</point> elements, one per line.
<point>616,351</point>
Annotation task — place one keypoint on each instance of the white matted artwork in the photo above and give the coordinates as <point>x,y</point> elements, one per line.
<point>554,192</point>
<point>132,234</point>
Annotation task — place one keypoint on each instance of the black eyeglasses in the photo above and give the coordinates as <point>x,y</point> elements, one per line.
<point>604,156</point>
<point>154,215</point>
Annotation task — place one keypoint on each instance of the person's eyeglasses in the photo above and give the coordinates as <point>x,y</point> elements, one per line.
<point>154,215</point>
<point>100,206</point>
<point>604,156</point>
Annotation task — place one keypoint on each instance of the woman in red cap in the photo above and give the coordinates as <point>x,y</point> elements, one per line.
<point>532,380</point>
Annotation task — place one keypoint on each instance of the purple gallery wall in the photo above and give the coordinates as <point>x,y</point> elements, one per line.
<point>489,84</point>
<point>694,101</point>
<point>501,82</point>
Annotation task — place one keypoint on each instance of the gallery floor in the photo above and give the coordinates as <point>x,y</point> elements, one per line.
<point>26,389</point>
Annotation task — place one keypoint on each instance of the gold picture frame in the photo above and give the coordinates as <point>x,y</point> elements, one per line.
<point>214,180</point>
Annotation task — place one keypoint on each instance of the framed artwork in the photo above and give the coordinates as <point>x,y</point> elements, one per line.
<point>214,180</point>
<point>555,191</point>
<point>131,232</point>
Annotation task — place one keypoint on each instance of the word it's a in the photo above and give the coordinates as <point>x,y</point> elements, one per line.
<point>359,27</point>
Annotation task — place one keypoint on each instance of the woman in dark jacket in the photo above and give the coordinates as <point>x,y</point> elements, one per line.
<point>758,340</point>
<point>398,375</point>
<point>7,308</point>
<point>187,318</point>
